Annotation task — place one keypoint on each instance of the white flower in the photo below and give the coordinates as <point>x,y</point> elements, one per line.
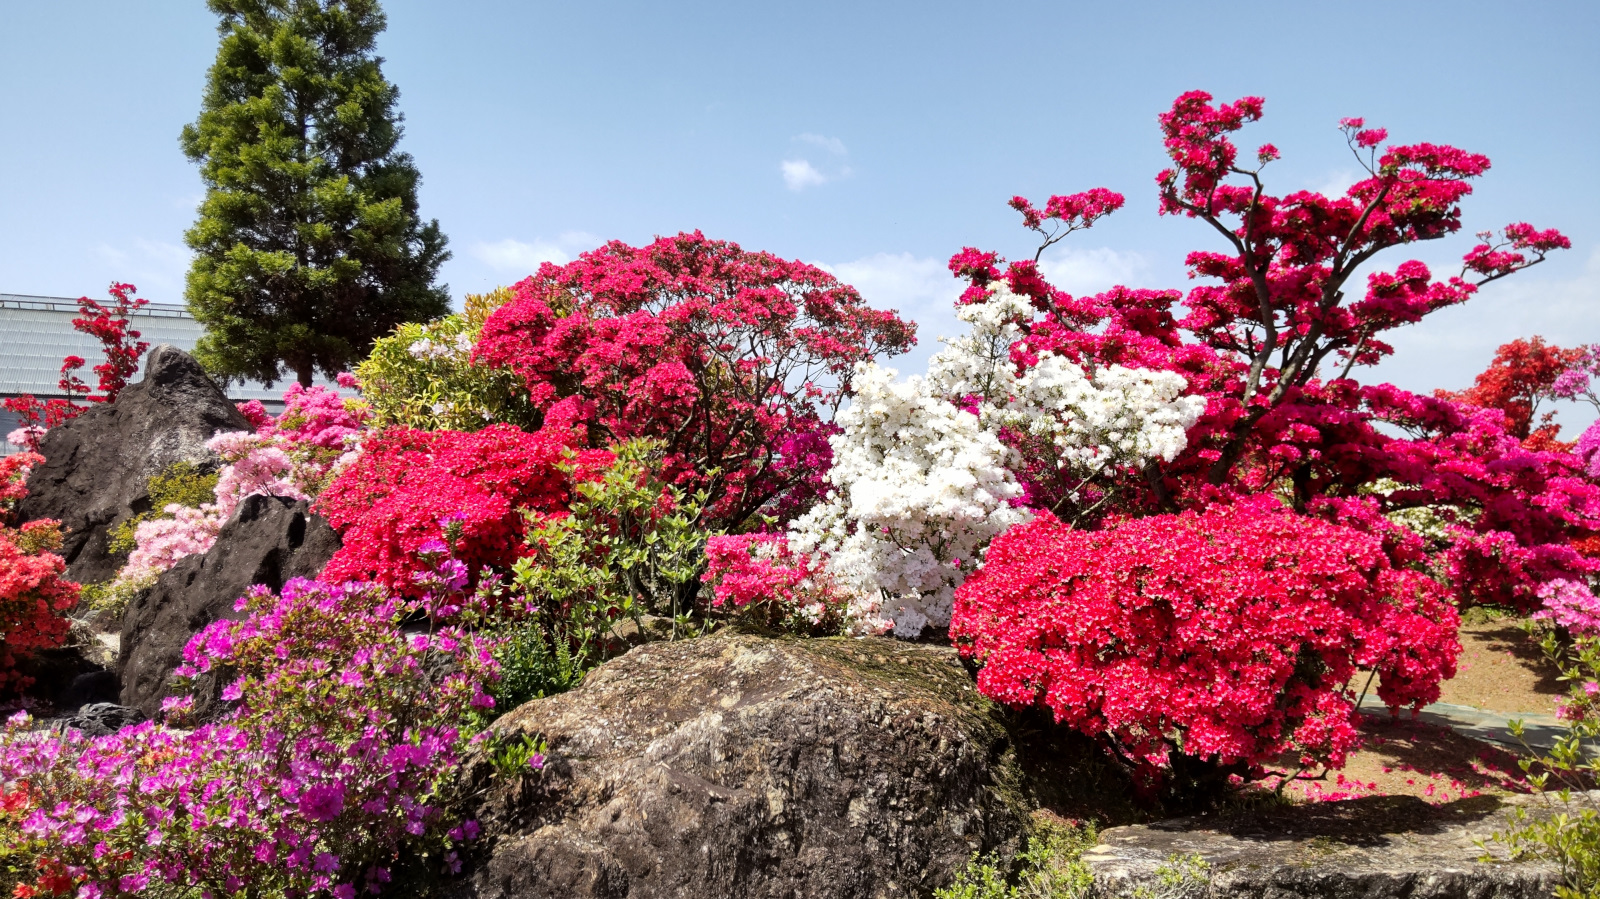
<point>922,481</point>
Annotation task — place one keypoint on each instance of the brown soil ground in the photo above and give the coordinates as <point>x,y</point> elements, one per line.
<point>1411,758</point>
<point>1501,669</point>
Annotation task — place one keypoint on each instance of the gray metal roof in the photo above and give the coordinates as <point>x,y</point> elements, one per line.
<point>36,333</point>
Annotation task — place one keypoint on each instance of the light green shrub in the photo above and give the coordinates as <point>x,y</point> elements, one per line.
<point>631,546</point>
<point>1052,867</point>
<point>181,483</point>
<point>422,376</point>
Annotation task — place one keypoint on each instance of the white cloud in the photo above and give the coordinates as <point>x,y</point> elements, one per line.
<point>524,257</point>
<point>1092,270</point>
<point>799,174</point>
<point>831,144</point>
<point>1450,347</point>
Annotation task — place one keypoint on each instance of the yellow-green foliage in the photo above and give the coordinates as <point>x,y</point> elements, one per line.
<point>1570,834</point>
<point>1052,867</point>
<point>181,483</point>
<point>422,376</point>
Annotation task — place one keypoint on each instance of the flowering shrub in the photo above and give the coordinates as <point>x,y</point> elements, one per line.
<point>1270,339</point>
<point>1570,604</point>
<point>334,767</point>
<point>33,595</point>
<point>1228,635</point>
<point>122,348</point>
<point>291,456</point>
<point>389,502</point>
<point>728,356</point>
<point>423,376</point>
<point>759,576</point>
<point>926,471</point>
<point>1522,374</point>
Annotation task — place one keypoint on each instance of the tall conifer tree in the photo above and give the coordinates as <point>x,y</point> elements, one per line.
<point>309,244</point>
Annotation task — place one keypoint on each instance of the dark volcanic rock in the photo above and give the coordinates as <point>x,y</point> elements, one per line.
<point>268,541</point>
<point>753,767</point>
<point>97,465</point>
<point>102,719</point>
<point>1369,848</point>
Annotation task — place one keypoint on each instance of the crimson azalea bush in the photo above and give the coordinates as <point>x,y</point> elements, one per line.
<point>405,484</point>
<point>735,359</point>
<point>34,596</point>
<point>1229,635</point>
<point>334,768</point>
<point>1271,339</point>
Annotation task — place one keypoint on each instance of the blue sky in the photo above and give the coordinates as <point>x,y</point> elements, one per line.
<point>875,138</point>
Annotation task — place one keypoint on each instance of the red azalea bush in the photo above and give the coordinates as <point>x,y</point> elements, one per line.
<point>33,594</point>
<point>122,348</point>
<point>397,494</point>
<point>1523,374</point>
<point>735,359</point>
<point>1229,635</point>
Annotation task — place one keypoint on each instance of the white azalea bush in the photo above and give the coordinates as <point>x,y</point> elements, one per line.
<point>925,469</point>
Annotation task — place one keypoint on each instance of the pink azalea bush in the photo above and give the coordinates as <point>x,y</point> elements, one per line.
<point>335,766</point>
<point>293,455</point>
<point>759,576</point>
<point>731,357</point>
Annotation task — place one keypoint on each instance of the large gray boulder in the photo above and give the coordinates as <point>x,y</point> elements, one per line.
<point>269,540</point>
<point>97,465</point>
<point>1371,848</point>
<point>756,767</point>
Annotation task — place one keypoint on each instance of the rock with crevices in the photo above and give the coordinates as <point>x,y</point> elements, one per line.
<point>755,767</point>
<point>97,466</point>
<point>268,541</point>
<point>1375,847</point>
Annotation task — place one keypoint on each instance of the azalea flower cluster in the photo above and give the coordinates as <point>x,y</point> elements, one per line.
<point>292,456</point>
<point>728,356</point>
<point>1229,635</point>
<point>339,752</point>
<point>34,596</point>
<point>122,348</point>
<point>925,471</point>
<point>391,500</point>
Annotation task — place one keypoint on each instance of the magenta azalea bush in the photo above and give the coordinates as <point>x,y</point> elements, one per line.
<point>335,766</point>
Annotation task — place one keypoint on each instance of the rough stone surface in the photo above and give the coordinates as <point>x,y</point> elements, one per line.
<point>101,719</point>
<point>97,465</point>
<point>1370,848</point>
<point>268,541</point>
<point>744,766</point>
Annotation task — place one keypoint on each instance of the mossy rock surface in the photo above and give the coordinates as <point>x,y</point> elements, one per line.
<point>741,765</point>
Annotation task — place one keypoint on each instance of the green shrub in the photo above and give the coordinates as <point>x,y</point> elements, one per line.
<point>1570,835</point>
<point>630,547</point>
<point>181,483</point>
<point>422,376</point>
<point>1052,867</point>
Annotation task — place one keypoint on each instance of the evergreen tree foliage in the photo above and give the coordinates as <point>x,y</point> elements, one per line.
<point>308,244</point>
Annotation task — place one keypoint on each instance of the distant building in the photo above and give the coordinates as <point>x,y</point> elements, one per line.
<point>36,333</point>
